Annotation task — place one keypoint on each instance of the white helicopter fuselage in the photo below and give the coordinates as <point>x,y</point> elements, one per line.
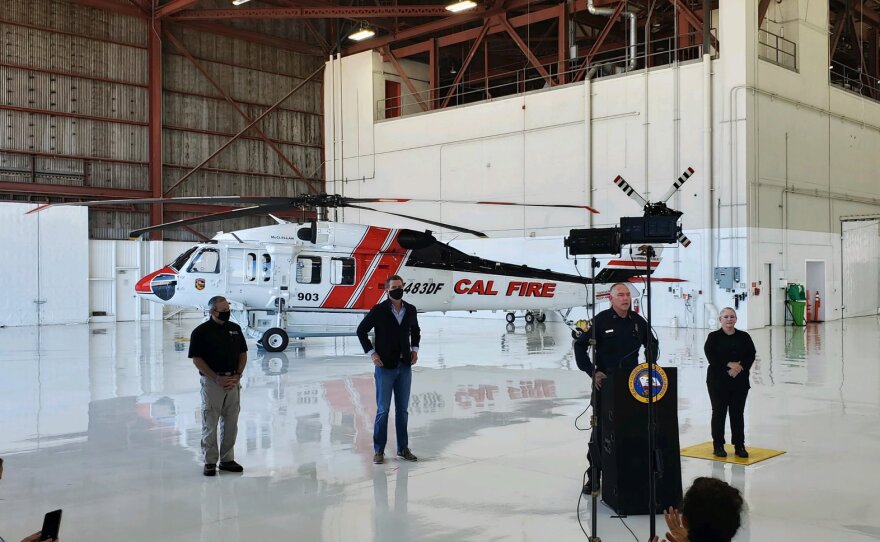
<point>319,279</point>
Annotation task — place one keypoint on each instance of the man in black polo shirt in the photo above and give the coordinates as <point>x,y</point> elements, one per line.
<point>218,349</point>
<point>620,334</point>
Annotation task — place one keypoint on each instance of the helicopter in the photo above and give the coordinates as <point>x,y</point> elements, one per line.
<point>318,278</point>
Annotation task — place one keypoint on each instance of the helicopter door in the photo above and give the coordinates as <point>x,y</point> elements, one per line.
<point>205,272</point>
<point>311,281</point>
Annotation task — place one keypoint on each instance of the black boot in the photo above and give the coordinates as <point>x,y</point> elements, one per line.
<point>719,451</point>
<point>741,451</point>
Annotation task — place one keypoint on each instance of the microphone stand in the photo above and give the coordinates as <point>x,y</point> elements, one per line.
<point>652,445</point>
<point>594,420</point>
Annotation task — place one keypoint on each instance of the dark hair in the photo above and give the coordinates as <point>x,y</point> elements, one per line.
<point>390,278</point>
<point>712,509</point>
<point>212,303</point>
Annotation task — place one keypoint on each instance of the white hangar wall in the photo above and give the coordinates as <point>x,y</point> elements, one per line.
<point>792,158</point>
<point>815,159</point>
<point>539,148</point>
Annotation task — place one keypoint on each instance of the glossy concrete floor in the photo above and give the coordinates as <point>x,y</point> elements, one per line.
<point>103,421</point>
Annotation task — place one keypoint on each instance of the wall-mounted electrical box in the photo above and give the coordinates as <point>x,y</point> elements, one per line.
<point>727,277</point>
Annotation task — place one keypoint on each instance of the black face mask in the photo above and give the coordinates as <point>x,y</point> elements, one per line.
<point>396,294</point>
<point>223,316</point>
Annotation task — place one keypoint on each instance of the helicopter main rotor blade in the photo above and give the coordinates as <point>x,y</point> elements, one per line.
<point>213,217</point>
<point>630,191</point>
<point>677,184</point>
<point>425,220</point>
<point>510,203</point>
<point>310,200</point>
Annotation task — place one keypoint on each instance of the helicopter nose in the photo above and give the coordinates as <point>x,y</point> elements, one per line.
<point>158,285</point>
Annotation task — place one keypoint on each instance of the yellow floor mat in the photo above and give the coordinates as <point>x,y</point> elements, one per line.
<point>704,451</point>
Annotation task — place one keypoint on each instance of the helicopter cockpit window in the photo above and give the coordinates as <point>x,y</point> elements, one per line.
<point>181,260</point>
<point>342,271</point>
<point>267,267</point>
<point>206,261</point>
<point>250,267</point>
<point>308,270</point>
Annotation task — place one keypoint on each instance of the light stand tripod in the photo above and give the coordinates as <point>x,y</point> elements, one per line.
<point>594,419</point>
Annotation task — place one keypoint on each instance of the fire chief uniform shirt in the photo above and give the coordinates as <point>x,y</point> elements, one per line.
<point>218,344</point>
<point>618,341</point>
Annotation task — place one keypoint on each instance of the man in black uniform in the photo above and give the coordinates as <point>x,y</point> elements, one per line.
<point>620,334</point>
<point>218,349</point>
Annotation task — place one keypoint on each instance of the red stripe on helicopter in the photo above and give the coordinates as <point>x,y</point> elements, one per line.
<point>389,264</point>
<point>630,263</point>
<point>363,254</point>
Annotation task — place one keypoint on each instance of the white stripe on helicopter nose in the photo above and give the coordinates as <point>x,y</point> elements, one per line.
<point>370,270</point>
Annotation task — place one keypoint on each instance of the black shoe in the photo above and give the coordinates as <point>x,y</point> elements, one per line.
<point>378,458</point>
<point>210,469</point>
<point>407,455</point>
<point>742,452</point>
<point>231,466</point>
<point>719,451</point>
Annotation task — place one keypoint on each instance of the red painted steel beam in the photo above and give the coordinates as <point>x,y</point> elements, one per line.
<point>494,28</point>
<point>173,7</point>
<point>598,43</point>
<point>92,192</point>
<point>526,51</point>
<point>246,128</point>
<point>367,12</point>
<point>123,8</point>
<point>762,11</point>
<point>388,55</point>
<point>154,99</point>
<point>239,110</point>
<point>465,64</point>
<point>692,18</point>
<point>835,35</point>
<point>285,44</point>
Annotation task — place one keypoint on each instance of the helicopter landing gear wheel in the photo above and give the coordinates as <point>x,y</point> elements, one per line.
<point>510,317</point>
<point>274,340</point>
<point>541,317</point>
<point>530,318</point>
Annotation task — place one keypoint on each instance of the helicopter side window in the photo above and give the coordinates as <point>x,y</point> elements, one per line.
<point>267,267</point>
<point>181,260</point>
<point>250,267</point>
<point>342,271</point>
<point>206,261</point>
<point>308,269</point>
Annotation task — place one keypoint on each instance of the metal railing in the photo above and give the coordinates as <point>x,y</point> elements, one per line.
<point>776,49</point>
<point>854,80</point>
<point>527,78</point>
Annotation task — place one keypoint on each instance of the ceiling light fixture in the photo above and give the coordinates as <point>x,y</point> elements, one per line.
<point>239,2</point>
<point>461,5</point>
<point>361,34</point>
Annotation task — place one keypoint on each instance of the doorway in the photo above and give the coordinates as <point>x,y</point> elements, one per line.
<point>816,285</point>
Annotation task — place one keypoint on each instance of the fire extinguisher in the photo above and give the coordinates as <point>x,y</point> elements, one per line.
<point>816,304</point>
<point>636,307</point>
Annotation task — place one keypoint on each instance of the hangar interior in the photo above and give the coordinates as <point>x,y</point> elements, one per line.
<point>775,104</point>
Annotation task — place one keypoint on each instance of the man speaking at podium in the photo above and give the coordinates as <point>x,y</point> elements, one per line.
<point>620,333</point>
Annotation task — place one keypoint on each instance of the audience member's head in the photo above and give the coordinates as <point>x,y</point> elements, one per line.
<point>711,510</point>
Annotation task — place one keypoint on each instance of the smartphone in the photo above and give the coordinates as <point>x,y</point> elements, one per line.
<point>51,525</point>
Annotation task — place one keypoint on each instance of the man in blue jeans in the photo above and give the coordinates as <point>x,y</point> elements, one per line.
<point>394,354</point>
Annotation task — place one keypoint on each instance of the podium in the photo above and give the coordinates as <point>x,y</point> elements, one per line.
<point>624,441</point>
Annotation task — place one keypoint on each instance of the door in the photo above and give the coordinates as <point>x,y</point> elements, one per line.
<point>392,99</point>
<point>860,267</point>
<point>127,303</point>
<point>816,285</point>
<point>767,291</point>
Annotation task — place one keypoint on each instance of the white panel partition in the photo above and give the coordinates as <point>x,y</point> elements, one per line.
<point>45,265</point>
<point>861,267</point>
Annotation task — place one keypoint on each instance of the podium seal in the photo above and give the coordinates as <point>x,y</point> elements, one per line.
<point>638,382</point>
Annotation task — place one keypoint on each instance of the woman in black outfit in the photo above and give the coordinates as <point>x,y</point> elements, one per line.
<point>731,354</point>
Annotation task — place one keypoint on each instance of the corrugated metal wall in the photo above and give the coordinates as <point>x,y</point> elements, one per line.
<point>74,110</point>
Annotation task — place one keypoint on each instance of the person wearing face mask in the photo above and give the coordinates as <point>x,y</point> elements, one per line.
<point>394,353</point>
<point>731,354</point>
<point>219,351</point>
